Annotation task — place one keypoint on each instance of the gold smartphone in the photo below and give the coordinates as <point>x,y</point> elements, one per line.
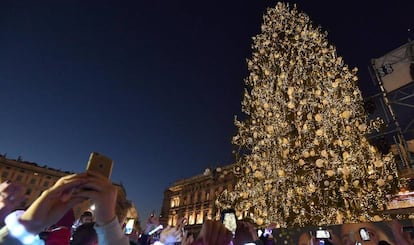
<point>101,164</point>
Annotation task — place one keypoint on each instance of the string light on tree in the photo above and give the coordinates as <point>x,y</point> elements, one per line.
<point>303,157</point>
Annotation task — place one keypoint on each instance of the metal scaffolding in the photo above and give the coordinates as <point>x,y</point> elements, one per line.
<point>394,74</point>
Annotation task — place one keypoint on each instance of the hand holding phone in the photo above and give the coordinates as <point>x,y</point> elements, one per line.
<point>99,163</point>
<point>229,220</point>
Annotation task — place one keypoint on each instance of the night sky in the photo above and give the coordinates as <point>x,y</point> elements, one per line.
<point>152,84</point>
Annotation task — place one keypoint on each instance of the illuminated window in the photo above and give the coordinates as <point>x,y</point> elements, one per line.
<point>175,202</point>
<point>191,219</point>
<point>174,221</point>
<point>207,196</point>
<point>199,218</point>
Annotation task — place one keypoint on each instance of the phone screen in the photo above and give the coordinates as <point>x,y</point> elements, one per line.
<point>229,220</point>
<point>129,226</point>
<point>323,234</point>
<point>364,234</point>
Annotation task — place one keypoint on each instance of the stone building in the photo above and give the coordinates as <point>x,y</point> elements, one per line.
<point>194,198</point>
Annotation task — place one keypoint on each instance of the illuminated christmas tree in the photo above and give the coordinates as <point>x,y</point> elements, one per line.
<point>303,156</point>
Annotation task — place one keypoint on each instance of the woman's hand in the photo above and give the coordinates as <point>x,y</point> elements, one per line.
<point>103,194</point>
<point>11,195</point>
<point>54,202</point>
<point>213,233</point>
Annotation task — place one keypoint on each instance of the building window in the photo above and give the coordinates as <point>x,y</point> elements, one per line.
<point>19,178</point>
<point>207,196</point>
<point>199,218</point>
<point>46,184</point>
<point>195,198</point>
<point>175,201</point>
<point>28,191</point>
<point>191,219</point>
<point>174,221</point>
<point>33,181</point>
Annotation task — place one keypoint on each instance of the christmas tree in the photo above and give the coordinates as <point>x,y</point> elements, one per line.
<point>303,156</point>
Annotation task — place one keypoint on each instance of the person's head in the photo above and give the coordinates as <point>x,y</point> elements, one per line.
<point>122,206</point>
<point>85,234</point>
<point>245,232</point>
<point>304,239</point>
<point>383,243</point>
<point>213,232</point>
<point>86,217</point>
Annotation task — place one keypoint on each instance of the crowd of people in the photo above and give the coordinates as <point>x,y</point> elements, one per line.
<point>49,220</point>
<point>29,226</point>
<point>361,234</point>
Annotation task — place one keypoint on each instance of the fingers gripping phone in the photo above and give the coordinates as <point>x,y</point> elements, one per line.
<point>100,164</point>
<point>228,218</point>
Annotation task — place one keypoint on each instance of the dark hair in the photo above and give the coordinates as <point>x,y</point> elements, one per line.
<point>84,234</point>
<point>383,243</point>
<point>87,214</point>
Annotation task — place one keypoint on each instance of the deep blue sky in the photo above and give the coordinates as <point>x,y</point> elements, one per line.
<point>153,84</point>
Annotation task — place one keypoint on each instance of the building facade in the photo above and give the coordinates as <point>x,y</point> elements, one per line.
<point>194,198</point>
